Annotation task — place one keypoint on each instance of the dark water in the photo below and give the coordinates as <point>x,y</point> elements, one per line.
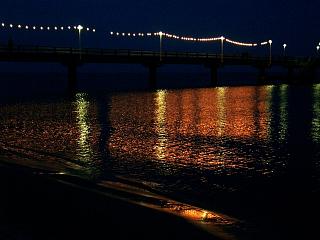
<point>250,152</point>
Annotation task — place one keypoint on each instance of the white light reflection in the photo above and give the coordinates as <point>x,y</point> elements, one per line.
<point>84,148</point>
<point>160,113</point>
<point>315,131</point>
<point>269,91</point>
<point>283,132</point>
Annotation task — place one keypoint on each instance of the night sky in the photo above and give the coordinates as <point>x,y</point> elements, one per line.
<point>293,22</point>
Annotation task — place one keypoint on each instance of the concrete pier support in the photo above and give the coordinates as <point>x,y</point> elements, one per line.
<point>262,75</point>
<point>152,75</point>
<point>72,77</point>
<point>290,75</point>
<point>214,75</point>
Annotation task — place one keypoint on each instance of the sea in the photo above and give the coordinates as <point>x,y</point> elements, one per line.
<point>245,150</point>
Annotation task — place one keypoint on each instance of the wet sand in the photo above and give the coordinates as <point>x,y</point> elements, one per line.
<point>40,206</point>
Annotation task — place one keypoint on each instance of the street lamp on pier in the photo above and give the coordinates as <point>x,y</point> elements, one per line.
<point>79,30</point>
<point>160,39</point>
<point>270,51</point>
<point>284,49</point>
<point>222,38</point>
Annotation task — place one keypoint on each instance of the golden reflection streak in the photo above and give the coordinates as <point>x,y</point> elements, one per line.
<point>263,106</point>
<point>283,112</point>
<point>240,113</point>
<point>84,151</point>
<point>221,100</point>
<point>315,132</point>
<point>160,113</point>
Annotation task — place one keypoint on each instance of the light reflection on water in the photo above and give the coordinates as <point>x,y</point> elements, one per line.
<point>199,143</point>
<point>283,112</point>
<point>230,130</point>
<point>160,113</point>
<point>84,150</point>
<point>316,114</point>
<point>226,130</point>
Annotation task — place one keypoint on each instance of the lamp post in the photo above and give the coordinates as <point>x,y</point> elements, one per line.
<point>79,30</point>
<point>318,47</point>
<point>284,49</point>
<point>160,45</point>
<point>270,51</point>
<point>222,38</point>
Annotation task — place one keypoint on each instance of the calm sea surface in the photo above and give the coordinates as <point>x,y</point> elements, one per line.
<point>251,152</point>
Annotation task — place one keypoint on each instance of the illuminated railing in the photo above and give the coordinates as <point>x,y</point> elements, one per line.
<point>192,57</point>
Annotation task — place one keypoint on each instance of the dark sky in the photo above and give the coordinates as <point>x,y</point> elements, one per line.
<point>293,22</point>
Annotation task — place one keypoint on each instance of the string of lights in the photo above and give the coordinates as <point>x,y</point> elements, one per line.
<point>185,38</point>
<point>129,34</point>
<point>45,27</point>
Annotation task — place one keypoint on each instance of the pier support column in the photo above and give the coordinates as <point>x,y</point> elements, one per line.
<point>72,77</point>
<point>152,75</point>
<point>213,76</point>
<point>262,75</point>
<point>290,75</point>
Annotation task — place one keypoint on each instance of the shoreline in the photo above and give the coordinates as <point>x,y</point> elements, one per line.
<point>35,204</point>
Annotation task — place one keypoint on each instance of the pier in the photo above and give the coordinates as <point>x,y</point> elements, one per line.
<point>72,58</point>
